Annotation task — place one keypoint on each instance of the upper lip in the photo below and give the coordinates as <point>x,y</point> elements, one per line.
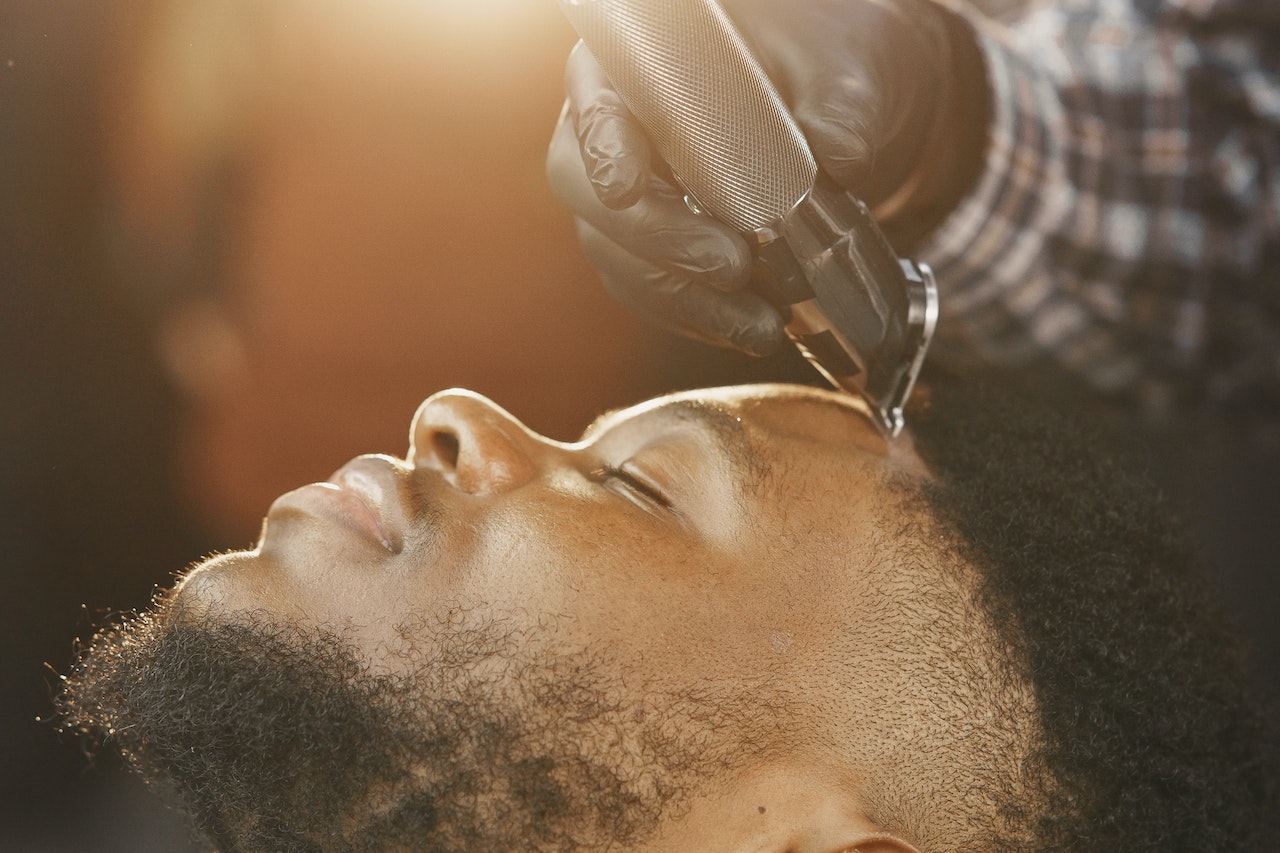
<point>372,480</point>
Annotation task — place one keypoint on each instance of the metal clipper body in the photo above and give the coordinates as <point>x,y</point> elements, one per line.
<point>862,316</point>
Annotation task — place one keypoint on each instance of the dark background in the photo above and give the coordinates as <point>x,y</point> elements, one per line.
<point>85,413</point>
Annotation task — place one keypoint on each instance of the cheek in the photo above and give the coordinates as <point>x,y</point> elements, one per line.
<point>568,562</point>
<point>654,601</point>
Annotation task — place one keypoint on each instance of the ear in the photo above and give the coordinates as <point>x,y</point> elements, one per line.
<point>856,835</point>
<point>879,842</point>
<point>813,813</point>
<point>782,809</point>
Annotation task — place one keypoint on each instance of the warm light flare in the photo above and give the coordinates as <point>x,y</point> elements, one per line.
<point>498,13</point>
<point>484,23</point>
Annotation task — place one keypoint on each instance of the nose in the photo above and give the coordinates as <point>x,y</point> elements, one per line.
<point>476,445</point>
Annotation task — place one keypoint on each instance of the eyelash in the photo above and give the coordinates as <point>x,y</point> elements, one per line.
<point>612,472</point>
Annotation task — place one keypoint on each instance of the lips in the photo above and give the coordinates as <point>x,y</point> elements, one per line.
<point>362,496</point>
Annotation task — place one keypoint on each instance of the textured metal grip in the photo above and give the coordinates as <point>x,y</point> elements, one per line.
<point>682,68</point>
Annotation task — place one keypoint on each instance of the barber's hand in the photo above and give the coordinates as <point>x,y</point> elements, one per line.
<point>870,82</point>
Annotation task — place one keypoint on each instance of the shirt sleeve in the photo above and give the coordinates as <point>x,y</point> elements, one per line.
<point>1124,227</point>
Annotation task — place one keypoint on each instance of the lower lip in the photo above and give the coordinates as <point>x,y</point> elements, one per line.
<point>330,503</point>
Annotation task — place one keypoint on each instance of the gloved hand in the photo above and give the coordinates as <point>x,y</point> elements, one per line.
<point>891,95</point>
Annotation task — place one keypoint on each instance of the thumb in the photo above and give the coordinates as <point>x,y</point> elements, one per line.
<point>613,147</point>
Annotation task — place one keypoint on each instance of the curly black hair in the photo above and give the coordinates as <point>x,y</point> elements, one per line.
<point>1151,738</point>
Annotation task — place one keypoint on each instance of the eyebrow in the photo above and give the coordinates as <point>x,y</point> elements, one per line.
<point>741,449</point>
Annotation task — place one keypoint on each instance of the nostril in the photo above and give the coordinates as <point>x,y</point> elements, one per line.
<point>445,447</point>
<point>476,447</point>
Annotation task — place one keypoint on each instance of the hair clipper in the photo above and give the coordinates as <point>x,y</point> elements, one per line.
<point>862,316</point>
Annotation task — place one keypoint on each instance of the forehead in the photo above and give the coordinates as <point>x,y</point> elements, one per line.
<point>777,443</point>
<point>703,417</point>
<point>753,421</point>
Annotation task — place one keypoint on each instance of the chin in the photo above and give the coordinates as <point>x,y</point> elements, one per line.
<point>216,584</point>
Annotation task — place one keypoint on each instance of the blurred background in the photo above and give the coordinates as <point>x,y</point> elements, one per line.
<point>240,240</point>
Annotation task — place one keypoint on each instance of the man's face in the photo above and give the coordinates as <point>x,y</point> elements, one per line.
<point>718,609</point>
<point>710,535</point>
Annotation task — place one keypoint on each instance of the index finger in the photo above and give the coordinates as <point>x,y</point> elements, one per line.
<point>614,147</point>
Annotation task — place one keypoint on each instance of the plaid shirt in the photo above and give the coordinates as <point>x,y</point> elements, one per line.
<point>1126,226</point>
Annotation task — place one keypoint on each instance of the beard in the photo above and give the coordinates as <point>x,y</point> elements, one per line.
<point>277,737</point>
